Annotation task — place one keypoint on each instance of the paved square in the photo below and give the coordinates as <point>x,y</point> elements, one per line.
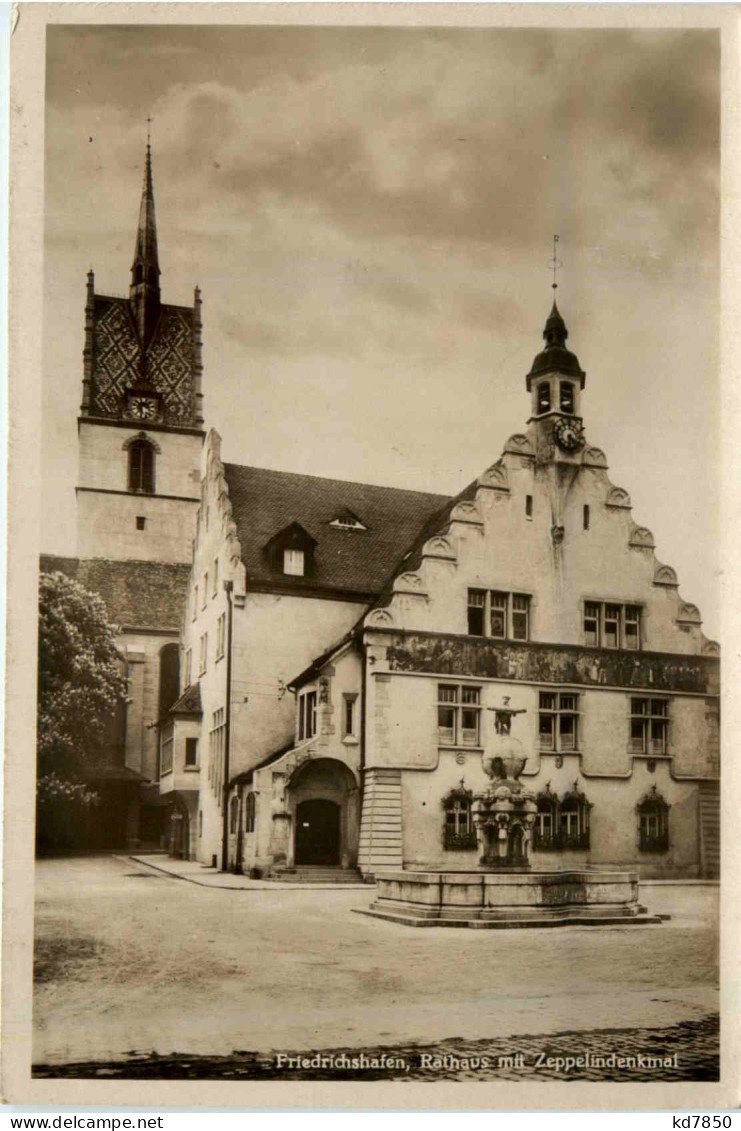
<point>134,962</point>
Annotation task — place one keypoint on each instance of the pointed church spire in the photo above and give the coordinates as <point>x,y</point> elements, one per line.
<point>145,270</point>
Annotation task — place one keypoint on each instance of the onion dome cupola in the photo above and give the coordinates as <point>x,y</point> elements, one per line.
<point>555,379</point>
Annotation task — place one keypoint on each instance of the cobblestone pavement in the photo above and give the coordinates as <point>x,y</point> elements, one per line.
<point>688,1051</point>
<point>128,959</point>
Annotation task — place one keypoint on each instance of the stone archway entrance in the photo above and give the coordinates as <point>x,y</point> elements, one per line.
<point>323,800</point>
<point>318,832</point>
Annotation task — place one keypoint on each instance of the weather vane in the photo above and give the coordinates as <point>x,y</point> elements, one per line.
<point>149,129</point>
<point>555,263</point>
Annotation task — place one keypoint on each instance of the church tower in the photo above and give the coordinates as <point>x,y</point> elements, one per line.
<point>140,426</point>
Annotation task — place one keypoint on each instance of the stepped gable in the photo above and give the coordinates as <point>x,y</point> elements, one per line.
<point>357,561</point>
<point>146,595</point>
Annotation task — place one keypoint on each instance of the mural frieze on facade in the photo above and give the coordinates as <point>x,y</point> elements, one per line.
<point>497,659</point>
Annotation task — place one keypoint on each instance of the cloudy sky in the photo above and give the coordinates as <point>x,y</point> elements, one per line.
<point>369,212</point>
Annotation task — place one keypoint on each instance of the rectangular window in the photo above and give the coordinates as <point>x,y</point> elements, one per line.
<point>498,621</point>
<point>528,506</point>
<point>195,601</point>
<point>215,572</point>
<point>609,625</point>
<point>293,562</point>
<point>476,611</point>
<point>220,635</point>
<point>649,726</point>
<point>586,516</point>
<point>216,750</point>
<point>612,626</point>
<point>591,623</point>
<point>458,715</point>
<point>348,720</point>
<point>307,715</point>
<point>544,824</point>
<point>141,522</point>
<point>558,721</point>
<point>187,668</point>
<point>203,654</point>
<point>166,754</point>
<point>520,617</point>
<point>632,627</point>
<point>191,752</point>
<point>205,588</point>
<point>506,616</point>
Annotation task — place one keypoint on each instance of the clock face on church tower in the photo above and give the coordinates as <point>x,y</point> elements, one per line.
<point>143,407</point>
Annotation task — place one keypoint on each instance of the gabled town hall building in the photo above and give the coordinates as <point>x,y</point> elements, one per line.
<point>324,693</point>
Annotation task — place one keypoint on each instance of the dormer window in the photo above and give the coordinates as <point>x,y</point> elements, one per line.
<point>544,397</point>
<point>291,551</point>
<point>347,521</point>
<point>294,562</point>
<point>567,396</point>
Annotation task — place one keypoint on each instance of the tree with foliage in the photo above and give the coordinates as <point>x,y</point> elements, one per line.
<point>80,685</point>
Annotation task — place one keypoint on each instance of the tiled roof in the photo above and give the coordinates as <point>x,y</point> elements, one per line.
<point>265,502</point>
<point>136,594</point>
<point>189,702</point>
<point>117,359</point>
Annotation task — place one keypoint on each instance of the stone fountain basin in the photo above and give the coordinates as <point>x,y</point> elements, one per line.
<point>526,898</point>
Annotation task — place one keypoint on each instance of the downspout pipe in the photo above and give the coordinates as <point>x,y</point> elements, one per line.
<point>228,588</point>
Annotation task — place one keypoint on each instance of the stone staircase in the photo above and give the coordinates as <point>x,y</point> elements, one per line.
<point>709,821</point>
<point>317,874</point>
<point>380,824</point>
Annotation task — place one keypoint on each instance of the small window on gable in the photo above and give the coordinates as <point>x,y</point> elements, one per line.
<point>346,520</point>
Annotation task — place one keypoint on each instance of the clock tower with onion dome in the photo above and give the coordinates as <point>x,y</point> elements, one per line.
<point>140,426</point>
<point>555,383</point>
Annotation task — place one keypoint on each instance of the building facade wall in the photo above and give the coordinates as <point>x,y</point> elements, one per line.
<point>273,636</point>
<point>107,511</point>
<point>559,534</point>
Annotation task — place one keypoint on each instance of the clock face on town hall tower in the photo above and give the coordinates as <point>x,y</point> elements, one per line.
<point>569,433</point>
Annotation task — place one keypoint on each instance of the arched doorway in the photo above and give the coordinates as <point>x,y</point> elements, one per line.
<point>318,832</point>
<point>323,800</point>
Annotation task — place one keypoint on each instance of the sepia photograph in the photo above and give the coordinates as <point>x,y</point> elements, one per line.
<point>376,698</point>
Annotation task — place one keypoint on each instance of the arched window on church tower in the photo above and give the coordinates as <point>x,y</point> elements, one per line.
<point>653,822</point>
<point>141,467</point>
